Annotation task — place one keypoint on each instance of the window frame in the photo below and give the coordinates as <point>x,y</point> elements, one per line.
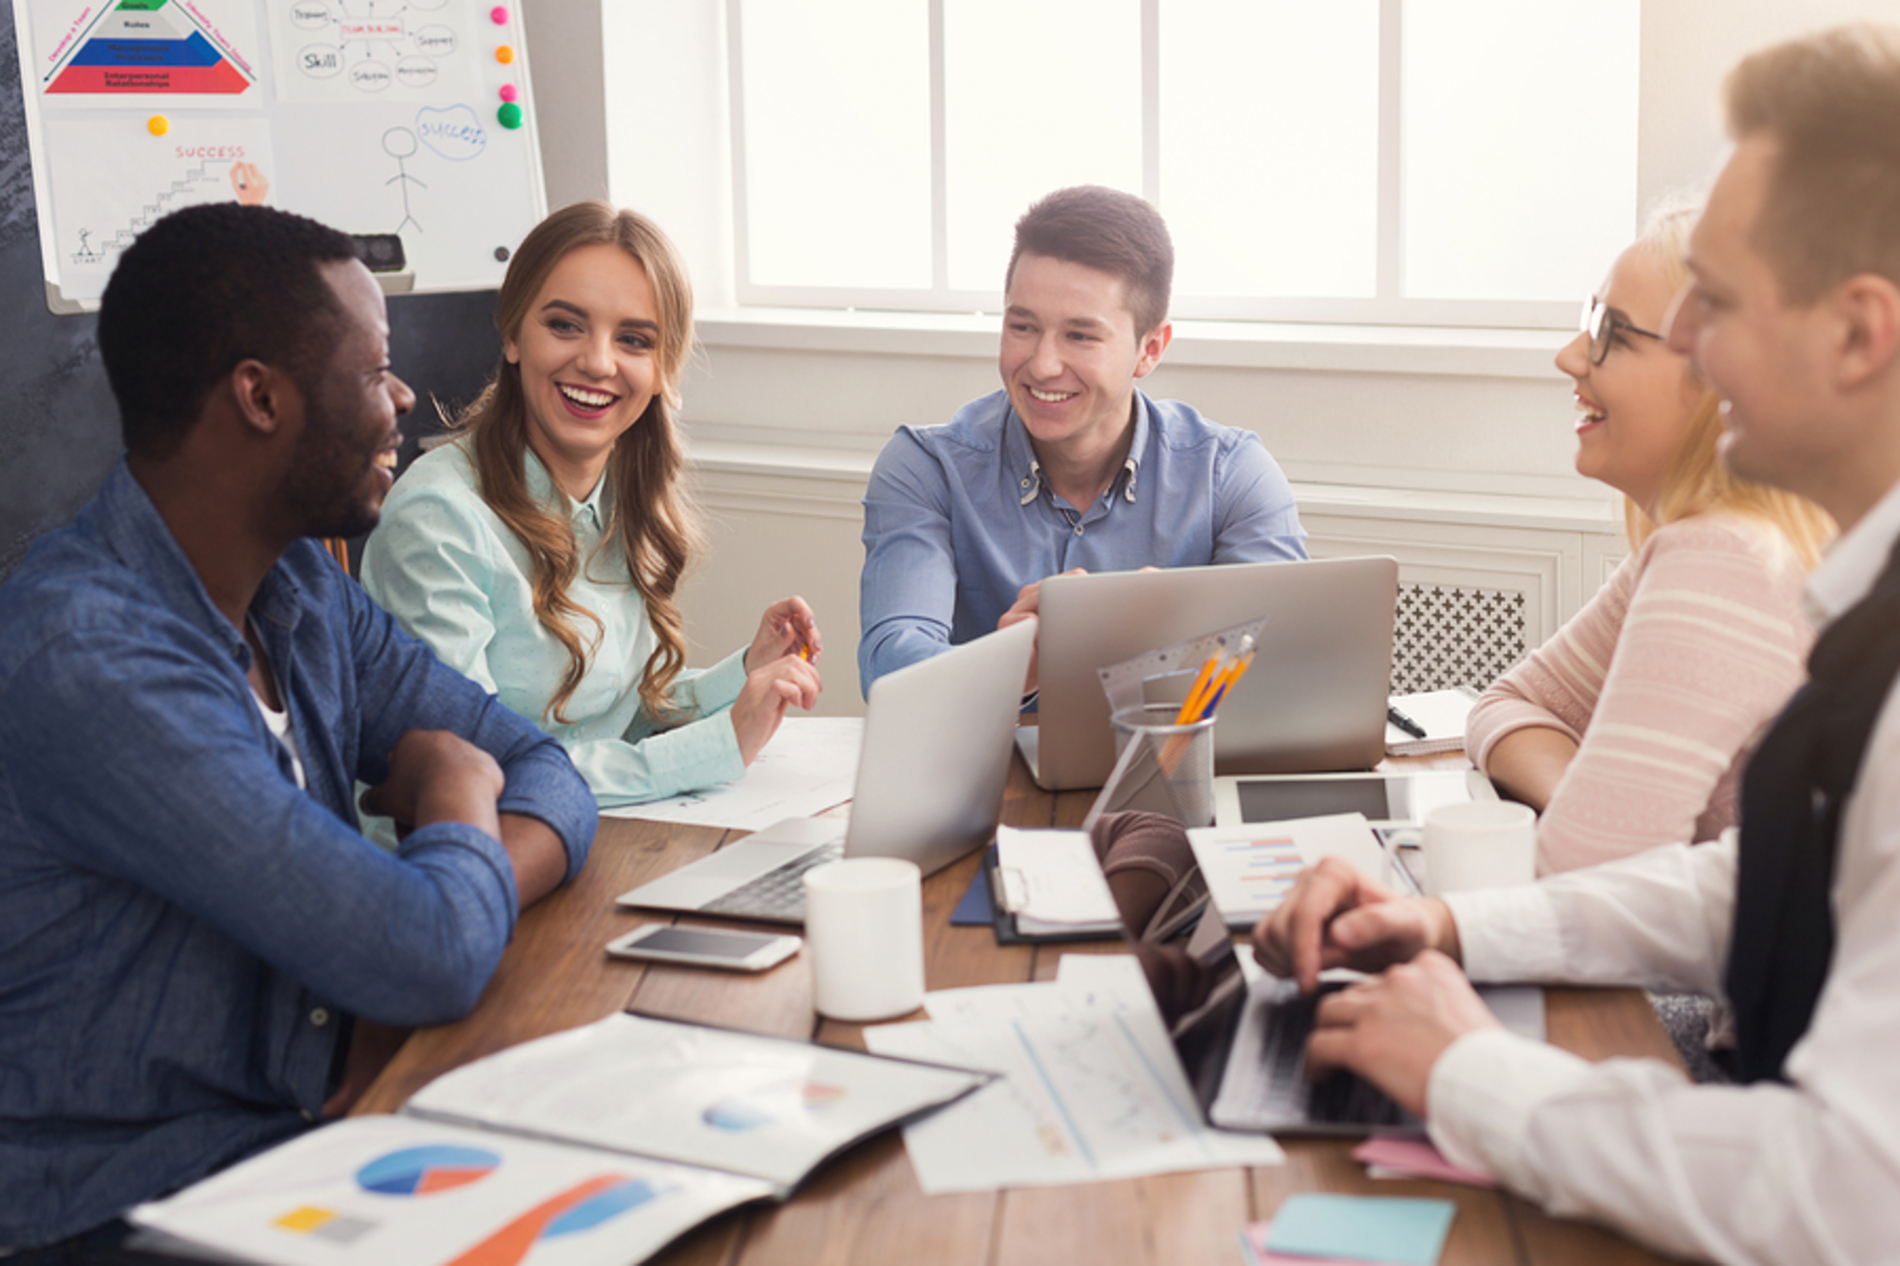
<point>1387,307</point>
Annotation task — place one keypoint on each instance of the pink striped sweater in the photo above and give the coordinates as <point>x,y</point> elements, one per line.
<point>1665,680</point>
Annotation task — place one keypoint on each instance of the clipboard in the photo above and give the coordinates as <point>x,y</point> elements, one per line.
<point>1003,922</point>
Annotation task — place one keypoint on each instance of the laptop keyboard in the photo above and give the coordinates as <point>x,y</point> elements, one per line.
<point>1265,1082</point>
<point>780,892</point>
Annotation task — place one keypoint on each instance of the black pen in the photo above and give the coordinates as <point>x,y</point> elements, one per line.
<point>1404,722</point>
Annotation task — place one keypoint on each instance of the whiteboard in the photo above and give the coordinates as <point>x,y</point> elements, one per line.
<point>405,117</point>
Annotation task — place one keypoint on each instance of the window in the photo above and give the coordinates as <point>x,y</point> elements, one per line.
<point>1385,161</point>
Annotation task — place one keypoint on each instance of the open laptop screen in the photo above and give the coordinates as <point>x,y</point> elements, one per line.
<point>1178,936</point>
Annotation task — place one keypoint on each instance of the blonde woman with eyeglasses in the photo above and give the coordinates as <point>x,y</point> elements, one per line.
<point>1629,728</point>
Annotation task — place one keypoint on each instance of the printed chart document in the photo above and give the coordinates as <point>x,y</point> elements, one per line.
<point>373,1190</point>
<point>607,1141</point>
<point>1251,867</point>
<point>810,765</point>
<point>1091,1088</point>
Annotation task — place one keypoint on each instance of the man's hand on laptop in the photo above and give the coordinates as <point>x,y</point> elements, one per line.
<point>1027,600</point>
<point>1335,917</point>
<point>1392,1028</point>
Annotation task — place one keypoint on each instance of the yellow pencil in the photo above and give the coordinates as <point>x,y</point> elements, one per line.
<point>1190,706</point>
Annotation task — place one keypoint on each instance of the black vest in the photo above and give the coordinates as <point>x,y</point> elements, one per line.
<point>1793,795</point>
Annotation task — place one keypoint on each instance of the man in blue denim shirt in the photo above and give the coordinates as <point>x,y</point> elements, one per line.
<point>199,952</point>
<point>1069,467</point>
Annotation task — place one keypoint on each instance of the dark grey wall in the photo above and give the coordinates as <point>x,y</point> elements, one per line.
<point>59,430</point>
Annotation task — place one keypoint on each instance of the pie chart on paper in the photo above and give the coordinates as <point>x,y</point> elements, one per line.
<point>423,1171</point>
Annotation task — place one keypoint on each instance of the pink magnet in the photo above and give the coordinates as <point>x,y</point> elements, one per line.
<point>509,92</point>
<point>498,15</point>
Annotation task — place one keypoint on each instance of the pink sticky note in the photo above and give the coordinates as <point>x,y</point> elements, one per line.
<point>1254,1240</point>
<point>1417,1158</point>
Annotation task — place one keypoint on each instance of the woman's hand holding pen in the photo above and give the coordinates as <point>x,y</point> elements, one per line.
<point>768,691</point>
<point>781,670</point>
<point>787,628</point>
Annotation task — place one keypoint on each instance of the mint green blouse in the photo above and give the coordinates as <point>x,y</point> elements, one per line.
<point>453,575</point>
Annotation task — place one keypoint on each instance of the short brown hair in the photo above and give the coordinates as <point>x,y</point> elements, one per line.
<point>1697,479</point>
<point>1108,230</point>
<point>1832,103</point>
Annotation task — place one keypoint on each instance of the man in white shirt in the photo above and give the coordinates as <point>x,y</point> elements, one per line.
<point>1793,313</point>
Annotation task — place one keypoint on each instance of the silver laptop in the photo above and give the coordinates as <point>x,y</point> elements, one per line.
<point>1314,699</point>
<point>930,787</point>
<point>1242,1046</point>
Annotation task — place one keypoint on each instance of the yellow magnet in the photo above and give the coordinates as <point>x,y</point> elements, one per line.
<point>158,125</point>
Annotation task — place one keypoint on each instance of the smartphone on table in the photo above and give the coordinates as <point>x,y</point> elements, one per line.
<point>705,947</point>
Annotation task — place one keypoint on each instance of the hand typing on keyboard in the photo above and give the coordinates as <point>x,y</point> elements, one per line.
<point>1392,1028</point>
<point>1335,917</point>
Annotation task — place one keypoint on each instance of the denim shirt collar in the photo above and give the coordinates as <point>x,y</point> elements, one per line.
<point>131,526</point>
<point>1020,455</point>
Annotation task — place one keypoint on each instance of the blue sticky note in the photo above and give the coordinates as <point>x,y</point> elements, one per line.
<point>1396,1229</point>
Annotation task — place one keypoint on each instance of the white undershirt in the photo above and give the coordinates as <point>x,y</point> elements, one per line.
<point>279,724</point>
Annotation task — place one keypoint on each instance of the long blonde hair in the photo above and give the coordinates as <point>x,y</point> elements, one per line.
<point>1697,480</point>
<point>649,510</point>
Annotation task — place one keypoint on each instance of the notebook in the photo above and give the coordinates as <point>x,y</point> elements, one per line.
<point>1315,698</point>
<point>929,787</point>
<point>1242,1045</point>
<point>1440,713</point>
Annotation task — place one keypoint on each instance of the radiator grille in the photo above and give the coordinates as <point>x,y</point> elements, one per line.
<point>1449,636</point>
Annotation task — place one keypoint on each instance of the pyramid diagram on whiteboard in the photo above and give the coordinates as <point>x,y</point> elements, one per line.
<point>148,46</point>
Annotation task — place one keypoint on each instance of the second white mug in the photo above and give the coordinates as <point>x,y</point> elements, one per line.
<point>1483,844</point>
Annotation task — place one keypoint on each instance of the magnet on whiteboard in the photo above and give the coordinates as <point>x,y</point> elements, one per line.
<point>158,125</point>
<point>498,15</point>
<point>509,92</point>
<point>509,116</point>
<point>504,53</point>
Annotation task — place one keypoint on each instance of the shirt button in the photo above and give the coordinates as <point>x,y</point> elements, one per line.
<point>320,1017</point>
<point>1078,529</point>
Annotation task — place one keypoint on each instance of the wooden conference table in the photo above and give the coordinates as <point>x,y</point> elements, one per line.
<point>865,1207</point>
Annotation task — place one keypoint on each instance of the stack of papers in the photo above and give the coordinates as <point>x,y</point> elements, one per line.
<point>1053,884</point>
<point>1091,1087</point>
<point>810,765</point>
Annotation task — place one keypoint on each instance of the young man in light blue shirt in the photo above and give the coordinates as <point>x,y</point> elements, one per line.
<point>1069,467</point>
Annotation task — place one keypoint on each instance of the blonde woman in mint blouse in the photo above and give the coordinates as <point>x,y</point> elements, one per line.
<point>508,550</point>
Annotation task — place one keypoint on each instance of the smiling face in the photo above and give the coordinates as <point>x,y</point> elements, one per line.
<point>1638,407</point>
<point>1071,355</point>
<point>586,353</point>
<point>345,455</point>
<point>1767,359</point>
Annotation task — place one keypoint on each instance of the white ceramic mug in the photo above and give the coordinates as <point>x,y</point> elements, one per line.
<point>864,937</point>
<point>1482,844</point>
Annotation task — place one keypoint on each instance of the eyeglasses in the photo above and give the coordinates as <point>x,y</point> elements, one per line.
<point>1601,322</point>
